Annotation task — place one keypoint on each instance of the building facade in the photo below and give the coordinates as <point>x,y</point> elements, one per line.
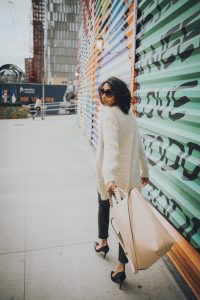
<point>61,27</point>
<point>56,24</point>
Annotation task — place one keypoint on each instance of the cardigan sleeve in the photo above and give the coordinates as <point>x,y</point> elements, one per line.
<point>111,148</point>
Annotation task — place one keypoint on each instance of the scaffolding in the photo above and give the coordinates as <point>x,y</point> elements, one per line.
<point>38,40</point>
<point>29,74</point>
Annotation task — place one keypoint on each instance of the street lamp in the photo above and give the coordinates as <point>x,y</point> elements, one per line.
<point>100,43</point>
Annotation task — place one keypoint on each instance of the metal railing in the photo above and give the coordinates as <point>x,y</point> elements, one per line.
<point>56,108</point>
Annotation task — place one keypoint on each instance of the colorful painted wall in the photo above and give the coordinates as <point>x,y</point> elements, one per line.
<point>114,22</point>
<point>160,62</point>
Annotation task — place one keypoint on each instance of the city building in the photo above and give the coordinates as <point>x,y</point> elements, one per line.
<point>56,25</point>
<point>63,20</point>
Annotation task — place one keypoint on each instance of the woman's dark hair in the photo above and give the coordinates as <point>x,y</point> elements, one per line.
<point>121,93</point>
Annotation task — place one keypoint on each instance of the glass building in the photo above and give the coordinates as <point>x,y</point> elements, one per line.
<point>61,31</point>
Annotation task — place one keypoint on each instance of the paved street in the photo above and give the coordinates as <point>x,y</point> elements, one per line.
<point>48,221</point>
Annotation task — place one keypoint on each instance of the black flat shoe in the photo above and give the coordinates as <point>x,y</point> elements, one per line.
<point>118,278</point>
<point>103,249</point>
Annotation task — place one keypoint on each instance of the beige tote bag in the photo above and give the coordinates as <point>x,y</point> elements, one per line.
<point>140,233</point>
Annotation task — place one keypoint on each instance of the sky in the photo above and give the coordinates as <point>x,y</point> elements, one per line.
<point>15,32</point>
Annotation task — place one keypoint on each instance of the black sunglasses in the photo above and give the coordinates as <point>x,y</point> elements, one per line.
<point>109,93</point>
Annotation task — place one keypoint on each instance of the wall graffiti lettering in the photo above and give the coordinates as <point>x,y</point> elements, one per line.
<point>159,12</point>
<point>188,227</point>
<point>194,173</point>
<point>160,104</point>
<point>162,148</point>
<point>172,44</point>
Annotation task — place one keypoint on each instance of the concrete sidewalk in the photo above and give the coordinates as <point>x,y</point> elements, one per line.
<point>48,221</point>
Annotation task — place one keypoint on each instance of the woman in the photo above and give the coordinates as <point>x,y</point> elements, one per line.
<point>120,157</point>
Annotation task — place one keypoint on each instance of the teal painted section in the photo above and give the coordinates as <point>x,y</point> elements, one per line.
<point>168,96</point>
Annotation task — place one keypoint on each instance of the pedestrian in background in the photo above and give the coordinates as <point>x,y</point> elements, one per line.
<point>38,107</point>
<point>120,160</point>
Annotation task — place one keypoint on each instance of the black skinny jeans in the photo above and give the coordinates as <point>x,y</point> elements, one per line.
<point>103,226</point>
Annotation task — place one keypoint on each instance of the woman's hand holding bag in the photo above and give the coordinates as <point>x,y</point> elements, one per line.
<point>110,187</point>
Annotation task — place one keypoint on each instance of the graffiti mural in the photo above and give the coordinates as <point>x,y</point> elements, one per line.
<point>167,94</point>
<point>154,46</point>
<point>113,21</point>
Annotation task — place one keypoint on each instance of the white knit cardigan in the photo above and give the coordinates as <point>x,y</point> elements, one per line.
<point>120,154</point>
